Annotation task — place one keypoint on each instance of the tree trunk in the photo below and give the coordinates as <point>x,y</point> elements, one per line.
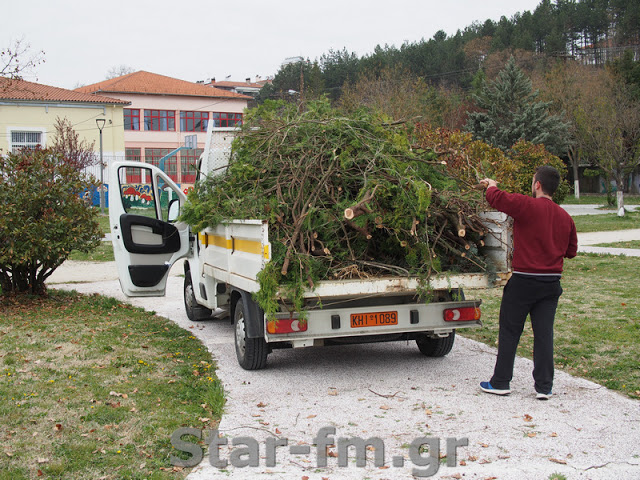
<point>575,159</point>
<point>620,195</point>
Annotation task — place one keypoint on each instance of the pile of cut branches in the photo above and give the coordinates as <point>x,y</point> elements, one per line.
<point>345,197</point>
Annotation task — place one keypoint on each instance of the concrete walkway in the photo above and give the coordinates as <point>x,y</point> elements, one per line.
<point>587,240</point>
<point>574,210</point>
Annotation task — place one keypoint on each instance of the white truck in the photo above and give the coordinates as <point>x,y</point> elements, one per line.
<point>221,264</point>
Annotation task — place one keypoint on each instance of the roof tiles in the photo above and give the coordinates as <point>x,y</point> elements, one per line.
<point>15,89</point>
<point>154,84</point>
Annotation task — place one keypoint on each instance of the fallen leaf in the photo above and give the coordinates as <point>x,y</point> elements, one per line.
<point>553,434</point>
<point>42,460</point>
<point>204,419</point>
<point>558,460</point>
<point>40,473</point>
<point>428,412</point>
<point>278,432</point>
<point>531,435</point>
<point>484,445</point>
<point>58,427</point>
<point>261,405</point>
<point>333,392</point>
<point>312,416</point>
<point>463,463</point>
<point>527,417</point>
<point>304,477</point>
<point>384,407</point>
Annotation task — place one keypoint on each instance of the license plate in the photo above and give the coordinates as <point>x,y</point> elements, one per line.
<point>373,319</point>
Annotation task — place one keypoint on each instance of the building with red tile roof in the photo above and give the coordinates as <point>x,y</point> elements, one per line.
<point>163,111</point>
<point>29,111</point>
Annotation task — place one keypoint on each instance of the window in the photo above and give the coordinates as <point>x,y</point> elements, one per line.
<point>132,119</point>
<point>21,140</point>
<point>154,155</point>
<point>194,121</point>
<point>160,120</point>
<point>132,155</point>
<point>188,161</point>
<point>221,119</point>
<point>138,198</point>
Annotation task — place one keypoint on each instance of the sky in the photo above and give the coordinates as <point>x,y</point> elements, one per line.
<point>83,40</point>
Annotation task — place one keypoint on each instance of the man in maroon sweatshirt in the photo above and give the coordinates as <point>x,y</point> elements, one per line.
<point>543,235</point>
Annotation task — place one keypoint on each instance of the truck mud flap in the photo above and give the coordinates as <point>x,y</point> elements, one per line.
<point>255,322</point>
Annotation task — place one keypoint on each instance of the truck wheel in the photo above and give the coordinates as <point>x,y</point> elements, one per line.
<point>251,352</point>
<point>194,310</point>
<point>436,347</point>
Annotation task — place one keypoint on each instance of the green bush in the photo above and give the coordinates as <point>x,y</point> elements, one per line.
<point>42,218</point>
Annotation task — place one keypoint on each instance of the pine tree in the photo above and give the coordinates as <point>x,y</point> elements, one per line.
<point>510,111</point>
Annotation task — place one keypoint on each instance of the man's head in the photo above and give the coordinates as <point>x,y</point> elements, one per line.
<point>549,179</point>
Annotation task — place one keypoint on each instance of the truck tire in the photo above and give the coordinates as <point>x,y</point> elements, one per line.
<point>194,310</point>
<point>436,347</point>
<point>251,352</point>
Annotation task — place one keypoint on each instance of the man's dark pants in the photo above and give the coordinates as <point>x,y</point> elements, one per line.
<point>523,295</point>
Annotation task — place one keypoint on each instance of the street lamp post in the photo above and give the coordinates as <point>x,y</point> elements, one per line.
<point>100,123</point>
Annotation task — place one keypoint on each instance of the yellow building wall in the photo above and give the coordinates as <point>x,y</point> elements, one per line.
<point>41,117</point>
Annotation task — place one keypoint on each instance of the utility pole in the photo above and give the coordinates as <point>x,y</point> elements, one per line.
<point>100,123</point>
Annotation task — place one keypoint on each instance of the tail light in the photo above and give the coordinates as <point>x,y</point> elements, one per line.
<point>286,325</point>
<point>463,314</point>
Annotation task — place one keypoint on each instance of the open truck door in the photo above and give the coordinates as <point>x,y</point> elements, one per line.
<point>144,205</point>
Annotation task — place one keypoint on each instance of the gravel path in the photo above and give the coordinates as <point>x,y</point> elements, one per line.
<point>391,392</point>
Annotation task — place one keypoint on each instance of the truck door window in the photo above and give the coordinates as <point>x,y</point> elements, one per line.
<point>137,192</point>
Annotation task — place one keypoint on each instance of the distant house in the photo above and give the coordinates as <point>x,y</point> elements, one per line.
<point>28,113</point>
<point>247,87</point>
<point>162,111</point>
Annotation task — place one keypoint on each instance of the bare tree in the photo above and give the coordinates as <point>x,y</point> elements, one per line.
<point>118,71</point>
<point>608,129</point>
<point>16,60</point>
<point>75,152</point>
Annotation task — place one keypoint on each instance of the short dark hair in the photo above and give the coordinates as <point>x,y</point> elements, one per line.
<point>549,179</point>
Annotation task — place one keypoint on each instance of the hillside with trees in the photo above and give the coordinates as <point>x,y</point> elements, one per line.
<point>563,52</point>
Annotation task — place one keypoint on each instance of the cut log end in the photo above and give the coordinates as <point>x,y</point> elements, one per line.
<point>349,214</point>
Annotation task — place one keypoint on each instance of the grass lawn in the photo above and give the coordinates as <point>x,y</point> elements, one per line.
<point>103,253</point>
<point>103,221</point>
<point>597,329</point>
<point>629,244</point>
<point>606,222</point>
<point>92,388</point>
<point>599,199</point>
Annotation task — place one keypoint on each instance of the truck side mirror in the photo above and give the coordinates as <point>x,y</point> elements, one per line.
<point>174,210</point>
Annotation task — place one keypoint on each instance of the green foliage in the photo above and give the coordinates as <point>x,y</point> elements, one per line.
<point>469,161</point>
<point>510,112</point>
<point>42,218</point>
<point>302,166</point>
<point>528,157</point>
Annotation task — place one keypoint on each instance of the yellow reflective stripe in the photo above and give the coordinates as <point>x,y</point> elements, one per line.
<point>247,246</point>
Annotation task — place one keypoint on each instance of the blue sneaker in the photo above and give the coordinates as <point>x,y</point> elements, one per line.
<point>543,396</point>
<point>486,387</point>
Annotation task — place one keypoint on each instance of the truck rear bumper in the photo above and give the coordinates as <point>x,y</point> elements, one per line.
<point>380,320</point>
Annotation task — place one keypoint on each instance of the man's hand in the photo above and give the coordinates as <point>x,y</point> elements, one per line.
<point>488,182</point>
